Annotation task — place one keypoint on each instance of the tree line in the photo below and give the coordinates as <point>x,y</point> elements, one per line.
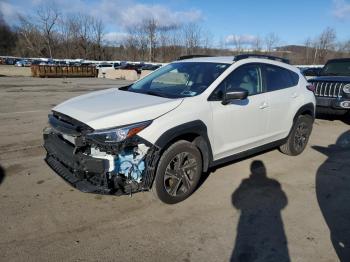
<point>52,34</point>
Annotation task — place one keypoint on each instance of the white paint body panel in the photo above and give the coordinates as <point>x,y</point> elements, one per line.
<point>232,128</point>
<point>239,125</point>
<point>112,108</point>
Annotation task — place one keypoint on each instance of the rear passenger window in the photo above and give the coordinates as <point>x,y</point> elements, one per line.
<point>279,78</point>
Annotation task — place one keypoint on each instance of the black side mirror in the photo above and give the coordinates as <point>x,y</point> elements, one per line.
<point>237,94</point>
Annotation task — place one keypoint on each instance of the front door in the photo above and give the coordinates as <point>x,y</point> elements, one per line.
<point>241,124</point>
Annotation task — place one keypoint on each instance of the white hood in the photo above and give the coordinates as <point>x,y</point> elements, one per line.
<point>112,108</point>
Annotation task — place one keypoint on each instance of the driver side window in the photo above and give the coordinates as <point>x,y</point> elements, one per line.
<point>247,77</point>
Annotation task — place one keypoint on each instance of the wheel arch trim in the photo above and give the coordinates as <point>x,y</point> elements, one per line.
<point>305,109</point>
<point>197,128</point>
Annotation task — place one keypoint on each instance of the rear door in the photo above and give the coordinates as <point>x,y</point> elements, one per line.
<point>283,94</point>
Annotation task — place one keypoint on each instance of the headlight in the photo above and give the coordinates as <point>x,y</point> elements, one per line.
<point>115,135</point>
<point>346,89</point>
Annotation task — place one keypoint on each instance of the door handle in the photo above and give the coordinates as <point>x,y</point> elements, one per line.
<point>263,105</point>
<point>295,95</point>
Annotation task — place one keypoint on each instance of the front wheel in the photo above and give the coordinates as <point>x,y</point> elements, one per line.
<point>178,172</point>
<point>298,137</point>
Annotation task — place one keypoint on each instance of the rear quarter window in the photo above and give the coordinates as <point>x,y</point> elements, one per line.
<point>278,78</point>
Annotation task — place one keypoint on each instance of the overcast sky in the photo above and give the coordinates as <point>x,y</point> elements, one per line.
<point>292,20</point>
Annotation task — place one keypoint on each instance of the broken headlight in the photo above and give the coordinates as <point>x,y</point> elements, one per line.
<point>118,134</point>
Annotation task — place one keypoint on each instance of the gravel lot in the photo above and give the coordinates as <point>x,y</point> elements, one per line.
<point>11,70</point>
<point>287,215</point>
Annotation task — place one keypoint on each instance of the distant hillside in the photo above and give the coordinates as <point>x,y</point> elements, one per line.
<point>299,54</point>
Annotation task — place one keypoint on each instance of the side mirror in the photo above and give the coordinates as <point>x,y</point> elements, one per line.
<point>238,94</point>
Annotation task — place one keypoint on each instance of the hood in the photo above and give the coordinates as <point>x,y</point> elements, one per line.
<point>331,79</point>
<point>113,107</point>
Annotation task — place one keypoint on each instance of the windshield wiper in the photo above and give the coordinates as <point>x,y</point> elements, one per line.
<point>153,93</point>
<point>331,74</point>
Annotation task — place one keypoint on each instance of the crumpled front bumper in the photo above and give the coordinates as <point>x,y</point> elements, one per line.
<point>83,172</point>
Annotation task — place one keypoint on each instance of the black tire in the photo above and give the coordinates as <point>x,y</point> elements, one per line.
<point>347,118</point>
<point>298,137</point>
<point>178,172</point>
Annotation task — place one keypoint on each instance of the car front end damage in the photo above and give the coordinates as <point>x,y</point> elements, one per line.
<point>105,162</point>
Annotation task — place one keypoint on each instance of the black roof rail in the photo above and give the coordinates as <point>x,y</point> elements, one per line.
<point>191,56</point>
<point>276,58</point>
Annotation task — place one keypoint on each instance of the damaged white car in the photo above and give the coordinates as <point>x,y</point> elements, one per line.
<point>165,130</point>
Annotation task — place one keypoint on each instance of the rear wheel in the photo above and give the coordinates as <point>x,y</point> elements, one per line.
<point>298,137</point>
<point>178,172</point>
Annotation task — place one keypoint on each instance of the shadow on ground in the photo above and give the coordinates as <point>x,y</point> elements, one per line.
<point>2,174</point>
<point>333,193</point>
<point>211,170</point>
<point>260,231</point>
<point>344,118</point>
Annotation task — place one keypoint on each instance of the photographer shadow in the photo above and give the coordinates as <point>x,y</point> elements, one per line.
<point>333,193</point>
<point>260,231</point>
<point>2,174</point>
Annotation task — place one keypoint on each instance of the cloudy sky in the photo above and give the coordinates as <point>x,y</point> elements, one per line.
<point>292,20</point>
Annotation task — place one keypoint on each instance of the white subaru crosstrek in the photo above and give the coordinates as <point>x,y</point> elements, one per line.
<point>163,131</point>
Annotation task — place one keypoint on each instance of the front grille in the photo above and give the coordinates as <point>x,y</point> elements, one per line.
<point>329,89</point>
<point>68,125</point>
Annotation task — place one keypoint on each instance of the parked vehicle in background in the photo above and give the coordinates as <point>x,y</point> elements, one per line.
<point>150,67</point>
<point>165,130</point>
<point>36,62</point>
<point>116,65</point>
<point>332,87</point>
<point>311,72</point>
<point>61,63</point>
<point>104,65</point>
<point>23,63</point>
<point>10,61</point>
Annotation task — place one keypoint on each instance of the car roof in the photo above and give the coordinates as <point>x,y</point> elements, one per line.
<point>211,59</point>
<point>339,60</point>
<point>231,59</point>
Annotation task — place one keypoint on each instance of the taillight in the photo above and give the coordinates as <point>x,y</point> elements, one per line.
<point>311,87</point>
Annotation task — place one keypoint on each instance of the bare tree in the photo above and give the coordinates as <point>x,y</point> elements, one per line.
<point>237,43</point>
<point>48,17</point>
<point>323,44</point>
<point>8,37</point>
<point>271,41</point>
<point>97,36</point>
<point>308,51</point>
<point>345,47</point>
<point>131,45</point>
<point>207,42</point>
<point>175,44</point>
<point>30,40</point>
<point>192,37</point>
<point>257,44</point>
<point>150,27</point>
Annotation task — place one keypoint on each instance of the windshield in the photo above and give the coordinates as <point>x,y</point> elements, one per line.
<point>336,68</point>
<point>179,79</point>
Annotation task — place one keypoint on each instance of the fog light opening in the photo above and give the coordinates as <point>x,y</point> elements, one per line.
<point>345,104</point>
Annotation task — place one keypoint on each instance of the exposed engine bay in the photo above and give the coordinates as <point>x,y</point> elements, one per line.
<point>94,166</point>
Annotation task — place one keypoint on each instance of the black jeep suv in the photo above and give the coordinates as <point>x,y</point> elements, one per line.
<point>332,87</point>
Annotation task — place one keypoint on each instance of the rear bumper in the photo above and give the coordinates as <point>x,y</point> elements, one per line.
<point>83,172</point>
<point>333,103</point>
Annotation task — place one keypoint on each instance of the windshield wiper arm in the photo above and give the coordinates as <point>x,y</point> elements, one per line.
<point>153,93</point>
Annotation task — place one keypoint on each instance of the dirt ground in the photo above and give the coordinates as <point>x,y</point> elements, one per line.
<point>285,209</point>
<point>11,70</point>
